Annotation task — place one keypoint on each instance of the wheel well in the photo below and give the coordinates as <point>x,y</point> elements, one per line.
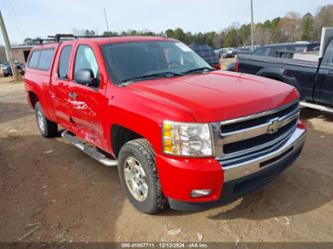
<point>121,135</point>
<point>33,99</point>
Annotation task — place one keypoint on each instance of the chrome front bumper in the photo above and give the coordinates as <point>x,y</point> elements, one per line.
<point>253,166</point>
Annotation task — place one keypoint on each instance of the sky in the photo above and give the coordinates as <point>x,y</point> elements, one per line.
<point>32,18</point>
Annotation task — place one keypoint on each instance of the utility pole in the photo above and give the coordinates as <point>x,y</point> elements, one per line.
<point>252,27</point>
<point>106,21</point>
<point>8,50</point>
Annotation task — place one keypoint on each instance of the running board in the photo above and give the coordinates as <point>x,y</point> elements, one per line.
<point>89,150</point>
<point>317,107</point>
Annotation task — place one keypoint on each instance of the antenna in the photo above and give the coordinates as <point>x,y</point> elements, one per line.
<point>106,21</point>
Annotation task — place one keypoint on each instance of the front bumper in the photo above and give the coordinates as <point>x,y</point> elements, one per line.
<point>179,177</point>
<point>257,164</point>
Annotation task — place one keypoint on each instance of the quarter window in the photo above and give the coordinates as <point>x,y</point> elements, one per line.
<point>45,59</point>
<point>64,62</point>
<point>33,63</point>
<point>41,59</point>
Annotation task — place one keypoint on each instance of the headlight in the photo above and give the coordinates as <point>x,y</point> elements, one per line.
<point>187,139</point>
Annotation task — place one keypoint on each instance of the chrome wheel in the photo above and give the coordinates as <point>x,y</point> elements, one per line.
<point>135,178</point>
<point>40,120</point>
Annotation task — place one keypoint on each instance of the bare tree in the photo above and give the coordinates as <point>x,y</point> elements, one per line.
<point>291,27</point>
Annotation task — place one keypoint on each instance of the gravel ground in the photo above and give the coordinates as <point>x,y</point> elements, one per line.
<point>50,191</point>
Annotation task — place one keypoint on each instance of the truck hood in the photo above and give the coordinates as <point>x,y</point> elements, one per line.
<point>218,95</point>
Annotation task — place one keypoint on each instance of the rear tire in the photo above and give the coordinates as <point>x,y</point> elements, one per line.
<point>139,178</point>
<point>46,127</point>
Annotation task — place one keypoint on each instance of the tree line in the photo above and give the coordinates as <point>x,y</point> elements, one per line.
<point>290,28</point>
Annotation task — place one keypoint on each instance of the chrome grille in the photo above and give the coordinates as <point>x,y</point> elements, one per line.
<point>244,138</point>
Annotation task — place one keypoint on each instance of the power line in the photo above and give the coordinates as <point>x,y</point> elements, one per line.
<point>17,18</point>
<point>9,13</point>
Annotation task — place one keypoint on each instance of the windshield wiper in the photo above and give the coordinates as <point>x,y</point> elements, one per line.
<point>150,76</point>
<point>199,69</point>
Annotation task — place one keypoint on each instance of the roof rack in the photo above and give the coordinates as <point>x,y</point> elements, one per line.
<point>64,37</point>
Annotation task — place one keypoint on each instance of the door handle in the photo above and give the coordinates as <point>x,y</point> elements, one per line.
<point>72,95</point>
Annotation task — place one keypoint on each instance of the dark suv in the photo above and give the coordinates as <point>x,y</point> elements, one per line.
<point>207,53</point>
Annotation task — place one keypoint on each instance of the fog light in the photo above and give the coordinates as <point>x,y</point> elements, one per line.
<point>200,193</point>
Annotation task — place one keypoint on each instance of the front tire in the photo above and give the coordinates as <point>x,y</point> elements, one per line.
<point>46,127</point>
<point>139,177</point>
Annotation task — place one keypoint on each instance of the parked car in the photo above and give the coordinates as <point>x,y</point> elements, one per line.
<point>207,53</point>
<point>286,50</point>
<point>313,79</point>
<point>181,134</point>
<point>243,50</point>
<point>226,52</point>
<point>7,70</point>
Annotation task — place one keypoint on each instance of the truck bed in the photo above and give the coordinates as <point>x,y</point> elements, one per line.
<point>284,62</point>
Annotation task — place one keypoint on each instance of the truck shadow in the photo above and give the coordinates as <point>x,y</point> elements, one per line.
<point>13,111</point>
<point>307,113</point>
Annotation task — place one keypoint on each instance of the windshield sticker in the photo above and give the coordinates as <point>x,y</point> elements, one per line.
<point>183,47</point>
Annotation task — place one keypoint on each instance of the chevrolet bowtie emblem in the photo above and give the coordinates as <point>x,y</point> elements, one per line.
<point>274,125</point>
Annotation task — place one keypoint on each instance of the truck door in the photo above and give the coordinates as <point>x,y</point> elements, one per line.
<point>87,103</point>
<point>324,83</point>
<point>60,84</point>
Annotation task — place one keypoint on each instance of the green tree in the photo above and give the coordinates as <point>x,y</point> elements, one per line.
<point>170,33</point>
<point>244,34</point>
<point>291,27</point>
<point>231,38</point>
<point>89,32</point>
<point>180,35</point>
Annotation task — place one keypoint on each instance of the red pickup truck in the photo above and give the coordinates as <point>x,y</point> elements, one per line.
<point>181,134</point>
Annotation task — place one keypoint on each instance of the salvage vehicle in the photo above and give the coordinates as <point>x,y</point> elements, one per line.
<point>7,70</point>
<point>226,52</point>
<point>313,79</point>
<point>286,50</point>
<point>181,134</point>
<point>207,53</point>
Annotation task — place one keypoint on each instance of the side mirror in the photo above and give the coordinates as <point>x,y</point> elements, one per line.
<point>86,77</point>
<point>320,60</point>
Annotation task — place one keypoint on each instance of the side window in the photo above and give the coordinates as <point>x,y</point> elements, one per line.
<point>328,56</point>
<point>34,59</point>
<point>274,52</point>
<point>300,49</point>
<point>45,59</point>
<point>64,62</point>
<point>85,59</point>
<point>260,51</point>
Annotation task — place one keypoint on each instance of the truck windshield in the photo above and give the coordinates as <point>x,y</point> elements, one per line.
<point>132,61</point>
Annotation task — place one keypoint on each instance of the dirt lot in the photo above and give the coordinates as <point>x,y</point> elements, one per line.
<point>50,191</point>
